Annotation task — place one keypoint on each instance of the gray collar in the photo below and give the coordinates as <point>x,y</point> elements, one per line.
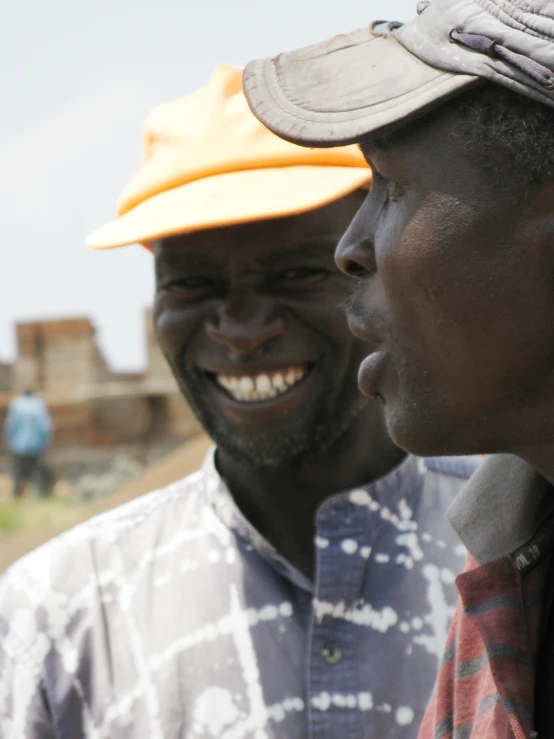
<point>501,508</point>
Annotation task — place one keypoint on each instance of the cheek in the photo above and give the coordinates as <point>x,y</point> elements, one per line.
<point>458,287</point>
<point>421,246</point>
<point>174,327</point>
<point>431,284</point>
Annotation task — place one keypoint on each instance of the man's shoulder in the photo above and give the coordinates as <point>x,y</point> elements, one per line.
<point>119,539</point>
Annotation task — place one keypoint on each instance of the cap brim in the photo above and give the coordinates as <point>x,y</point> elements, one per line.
<point>339,91</point>
<point>231,198</point>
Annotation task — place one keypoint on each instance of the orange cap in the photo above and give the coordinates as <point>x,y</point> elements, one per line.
<point>209,162</point>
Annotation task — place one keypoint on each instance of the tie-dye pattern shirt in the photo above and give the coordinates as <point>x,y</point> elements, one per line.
<point>172,618</point>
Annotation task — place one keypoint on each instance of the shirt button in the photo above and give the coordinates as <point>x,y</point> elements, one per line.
<point>332,655</point>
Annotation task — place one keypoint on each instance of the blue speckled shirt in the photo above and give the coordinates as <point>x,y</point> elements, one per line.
<point>171,617</point>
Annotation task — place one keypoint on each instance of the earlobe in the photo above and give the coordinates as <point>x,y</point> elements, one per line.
<point>540,202</point>
<point>537,238</point>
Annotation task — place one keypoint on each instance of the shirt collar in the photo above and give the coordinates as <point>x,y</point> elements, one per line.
<point>223,503</point>
<point>403,484</point>
<point>501,508</point>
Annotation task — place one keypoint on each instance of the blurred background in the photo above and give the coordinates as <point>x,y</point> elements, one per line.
<point>78,79</point>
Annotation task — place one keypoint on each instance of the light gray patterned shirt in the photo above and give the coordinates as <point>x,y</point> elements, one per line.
<point>171,618</point>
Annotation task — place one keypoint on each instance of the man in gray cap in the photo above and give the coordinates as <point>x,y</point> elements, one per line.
<point>453,251</point>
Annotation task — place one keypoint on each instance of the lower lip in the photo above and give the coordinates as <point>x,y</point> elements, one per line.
<point>371,374</point>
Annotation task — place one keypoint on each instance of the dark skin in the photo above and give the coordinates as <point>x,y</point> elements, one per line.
<point>260,298</point>
<point>456,291</point>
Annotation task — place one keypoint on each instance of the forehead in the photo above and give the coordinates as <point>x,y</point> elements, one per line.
<point>248,248</point>
<point>434,154</point>
<point>306,234</point>
<point>433,131</point>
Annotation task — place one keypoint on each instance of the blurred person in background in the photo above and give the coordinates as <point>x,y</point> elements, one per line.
<point>28,432</point>
<point>301,583</point>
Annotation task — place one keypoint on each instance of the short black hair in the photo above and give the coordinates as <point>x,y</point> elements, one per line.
<point>510,135</point>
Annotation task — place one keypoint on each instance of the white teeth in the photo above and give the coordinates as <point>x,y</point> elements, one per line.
<point>278,381</point>
<point>246,384</point>
<point>290,377</point>
<point>263,384</point>
<point>253,389</point>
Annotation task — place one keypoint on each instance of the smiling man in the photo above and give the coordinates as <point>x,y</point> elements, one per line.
<point>301,583</point>
<point>453,254</point>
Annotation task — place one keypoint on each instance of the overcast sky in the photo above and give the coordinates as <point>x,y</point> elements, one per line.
<point>77,80</point>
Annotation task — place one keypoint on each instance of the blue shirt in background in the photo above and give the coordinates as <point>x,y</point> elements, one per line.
<point>28,426</point>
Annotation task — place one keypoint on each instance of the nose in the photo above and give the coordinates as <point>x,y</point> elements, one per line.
<point>355,253</point>
<point>245,324</point>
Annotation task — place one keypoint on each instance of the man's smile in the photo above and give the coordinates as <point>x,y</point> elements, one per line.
<point>263,386</point>
<point>255,335</point>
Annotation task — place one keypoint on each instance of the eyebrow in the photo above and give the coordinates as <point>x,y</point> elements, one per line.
<point>315,247</point>
<point>377,144</point>
<point>179,259</point>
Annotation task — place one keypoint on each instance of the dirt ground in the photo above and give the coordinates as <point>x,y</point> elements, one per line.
<point>45,519</point>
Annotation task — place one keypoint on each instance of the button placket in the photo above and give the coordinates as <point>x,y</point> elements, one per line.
<point>333,670</point>
<point>332,654</point>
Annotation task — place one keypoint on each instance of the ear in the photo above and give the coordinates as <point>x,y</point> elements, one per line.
<point>537,217</point>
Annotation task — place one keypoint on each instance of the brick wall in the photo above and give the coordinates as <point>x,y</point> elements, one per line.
<point>6,377</point>
<point>60,358</point>
<point>55,355</point>
<point>156,364</point>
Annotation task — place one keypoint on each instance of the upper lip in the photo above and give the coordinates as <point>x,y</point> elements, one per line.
<point>359,327</point>
<point>246,370</point>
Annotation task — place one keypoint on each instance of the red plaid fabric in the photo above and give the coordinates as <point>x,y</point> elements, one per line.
<point>485,688</point>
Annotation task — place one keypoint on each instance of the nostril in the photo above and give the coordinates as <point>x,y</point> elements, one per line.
<point>355,269</point>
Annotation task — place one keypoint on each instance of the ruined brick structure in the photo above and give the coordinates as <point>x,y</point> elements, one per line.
<point>91,405</point>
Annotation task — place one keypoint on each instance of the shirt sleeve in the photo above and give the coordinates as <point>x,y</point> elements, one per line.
<point>24,646</point>
<point>9,425</point>
<point>23,706</point>
<point>46,426</point>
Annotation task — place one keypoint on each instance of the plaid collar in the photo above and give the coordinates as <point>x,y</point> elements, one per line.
<point>502,508</point>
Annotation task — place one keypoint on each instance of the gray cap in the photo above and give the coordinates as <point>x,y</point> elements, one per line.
<point>339,91</point>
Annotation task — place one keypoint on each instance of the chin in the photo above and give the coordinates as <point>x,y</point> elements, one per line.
<point>422,433</point>
<point>260,453</point>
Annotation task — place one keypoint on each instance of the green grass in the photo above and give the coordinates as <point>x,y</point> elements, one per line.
<point>10,518</point>
<point>33,513</point>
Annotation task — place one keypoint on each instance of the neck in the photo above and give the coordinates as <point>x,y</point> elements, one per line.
<point>541,458</point>
<point>282,503</point>
<point>538,425</point>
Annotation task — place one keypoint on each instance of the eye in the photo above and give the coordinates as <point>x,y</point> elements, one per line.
<point>385,189</point>
<point>190,288</point>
